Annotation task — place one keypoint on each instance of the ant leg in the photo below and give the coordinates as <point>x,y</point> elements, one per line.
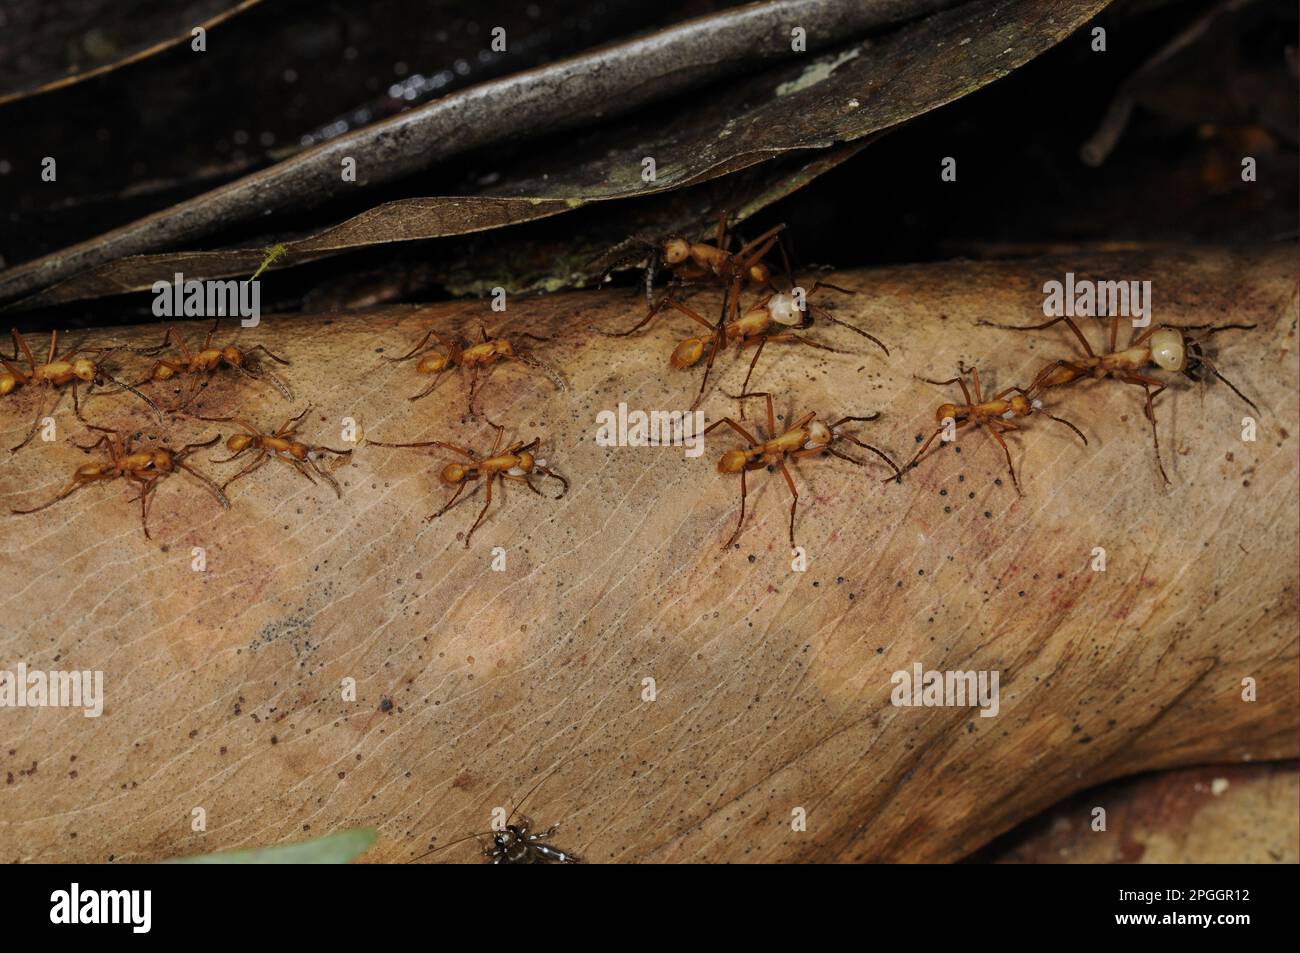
<point>290,425</point>
<point>749,438</point>
<point>822,312</point>
<point>960,381</point>
<point>1146,384</point>
<point>546,471</point>
<point>704,381</point>
<point>744,388</point>
<point>233,457</point>
<point>975,384</point>
<point>1114,332</point>
<point>36,424</point>
<point>744,491</point>
<point>267,351</point>
<point>255,465</point>
<point>415,350</point>
<point>98,443</point>
<point>63,494</point>
<point>793,503</point>
<point>217,492</point>
<point>437,379</point>
<point>866,446</point>
<point>1042,327</point>
<point>664,300</point>
<point>482,512</point>
<point>446,506</point>
<point>693,315</point>
<point>764,242</point>
<point>54,346</point>
<point>20,344</point>
<point>997,435</point>
<point>520,479</point>
<point>328,478</point>
<point>468,454</point>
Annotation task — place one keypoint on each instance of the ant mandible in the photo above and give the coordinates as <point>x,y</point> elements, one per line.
<point>1167,348</point>
<point>55,373</point>
<point>144,467</point>
<point>279,445</point>
<point>516,463</point>
<point>806,437</point>
<point>996,415</point>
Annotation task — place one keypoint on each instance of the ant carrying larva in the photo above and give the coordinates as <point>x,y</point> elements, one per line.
<point>516,843</point>
<point>476,360</point>
<point>806,437</point>
<point>995,415</point>
<point>775,317</point>
<point>1164,347</point>
<point>514,464</point>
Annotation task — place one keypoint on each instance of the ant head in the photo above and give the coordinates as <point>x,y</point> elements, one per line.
<point>238,442</point>
<point>432,363</point>
<point>526,461</point>
<point>299,450</point>
<point>676,250</point>
<point>503,347</point>
<point>162,460</point>
<point>454,473</point>
<point>232,355</point>
<point>733,461</point>
<point>819,435</point>
<point>946,411</point>
<point>7,383</point>
<point>1169,350</point>
<point>688,353</point>
<point>162,372</point>
<point>1020,405</point>
<point>760,274</point>
<point>86,369</point>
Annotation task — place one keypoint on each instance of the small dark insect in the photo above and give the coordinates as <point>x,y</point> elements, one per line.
<point>144,467</point>
<point>995,414</point>
<point>279,445</point>
<point>515,464</point>
<point>516,843</point>
<point>55,373</point>
<point>806,437</point>
<point>208,360</point>
<point>1167,348</point>
<point>473,359</point>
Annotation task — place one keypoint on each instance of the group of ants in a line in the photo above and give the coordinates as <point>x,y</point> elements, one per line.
<point>774,316</point>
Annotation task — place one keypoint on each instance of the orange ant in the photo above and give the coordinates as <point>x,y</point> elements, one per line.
<point>1165,347</point>
<point>279,445</point>
<point>699,262</point>
<point>996,415</point>
<point>806,437</point>
<point>472,359</point>
<point>208,360</point>
<point>774,318</point>
<point>515,464</point>
<point>144,467</point>
<point>56,372</point>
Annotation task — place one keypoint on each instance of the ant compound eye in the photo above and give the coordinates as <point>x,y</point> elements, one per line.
<point>1168,349</point>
